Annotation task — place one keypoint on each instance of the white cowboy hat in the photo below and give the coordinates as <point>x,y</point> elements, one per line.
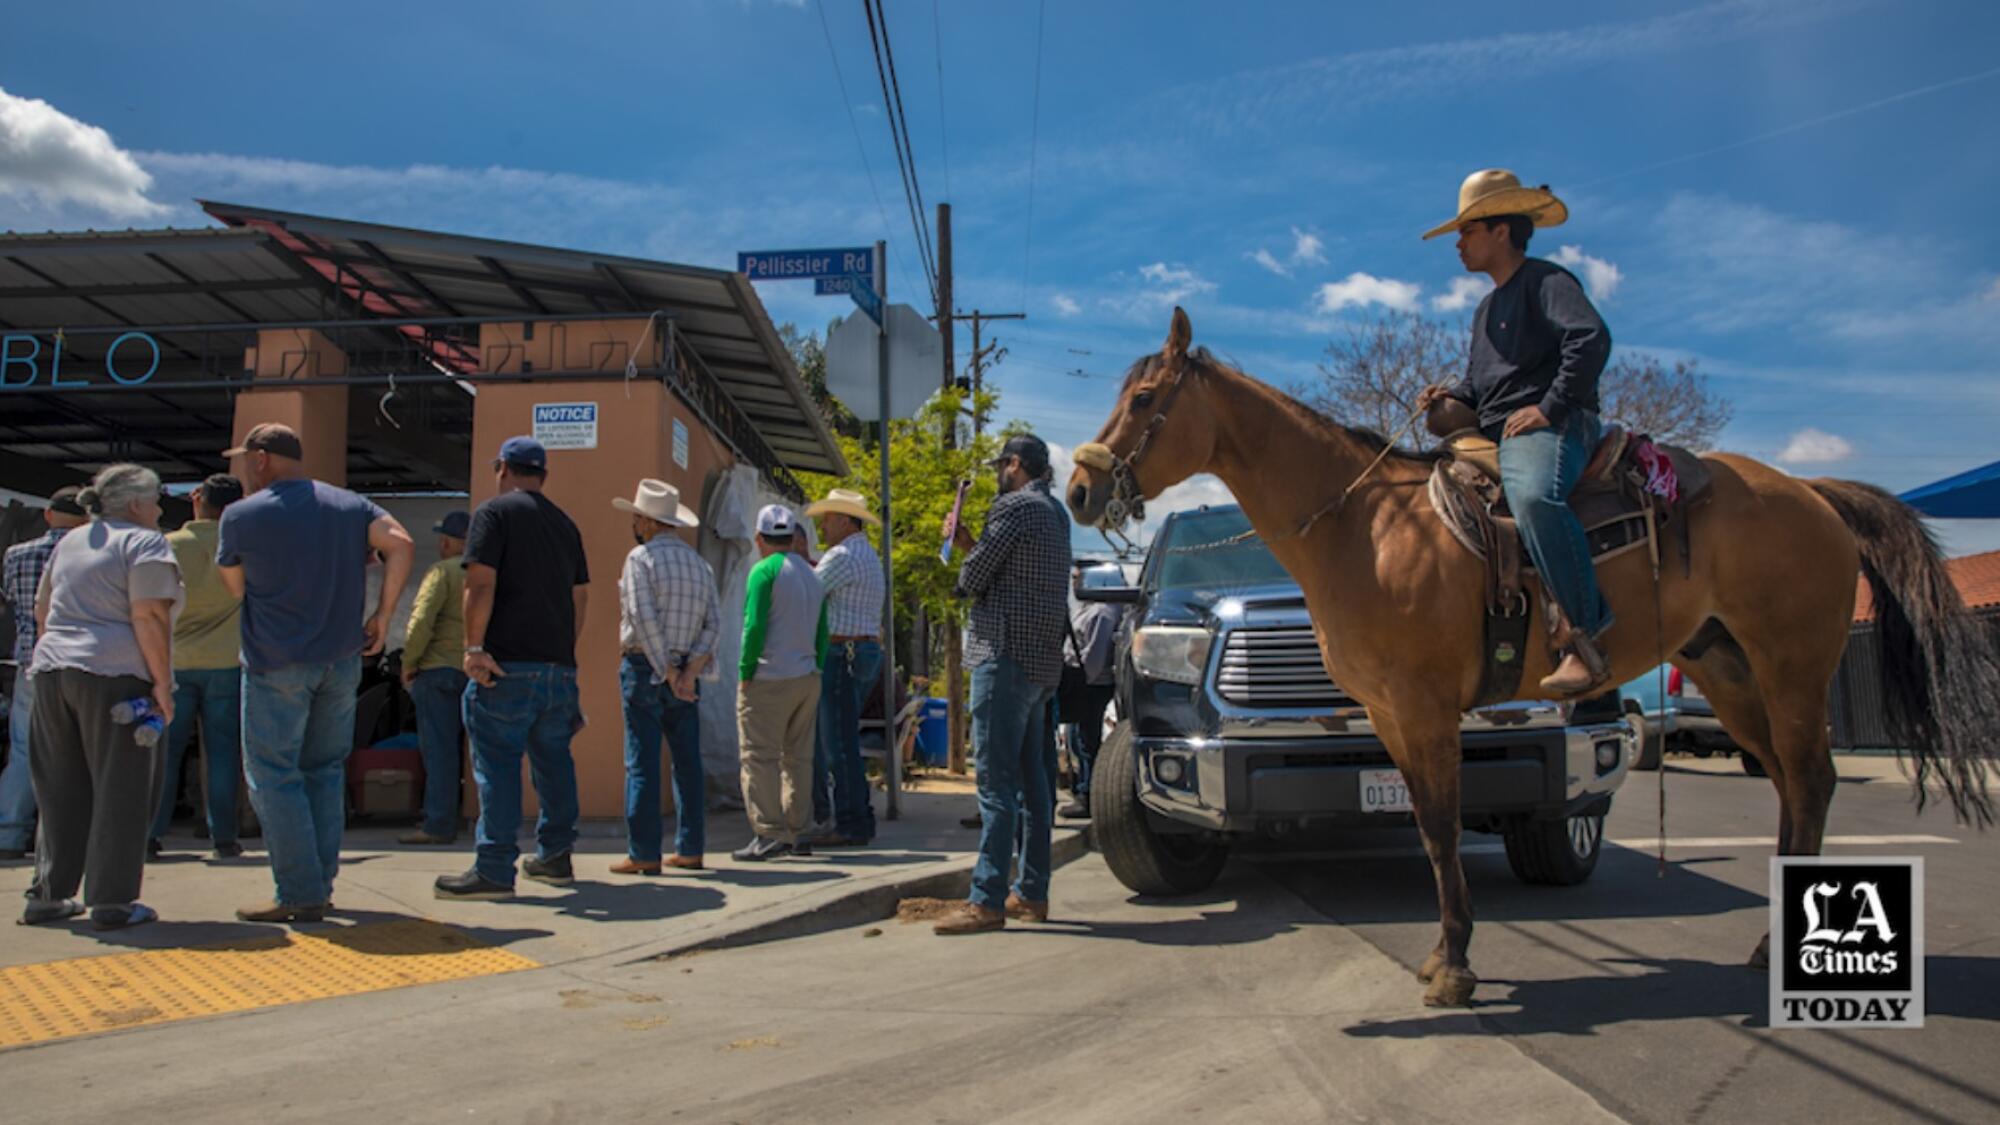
<point>1494,192</point>
<point>848,503</point>
<point>658,500</point>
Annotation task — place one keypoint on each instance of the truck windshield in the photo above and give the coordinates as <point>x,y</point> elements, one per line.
<point>1249,563</point>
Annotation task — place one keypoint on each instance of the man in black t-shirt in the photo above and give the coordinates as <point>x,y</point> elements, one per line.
<point>526,587</point>
<point>1538,347</point>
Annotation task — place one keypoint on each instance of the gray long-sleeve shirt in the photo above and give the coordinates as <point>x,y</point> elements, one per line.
<point>1536,341</point>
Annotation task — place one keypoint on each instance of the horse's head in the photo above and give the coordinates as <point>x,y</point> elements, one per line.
<point>1161,432</point>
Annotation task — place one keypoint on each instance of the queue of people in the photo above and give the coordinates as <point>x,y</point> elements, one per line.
<point>249,624</point>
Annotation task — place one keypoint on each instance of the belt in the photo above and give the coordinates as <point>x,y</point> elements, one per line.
<point>854,639</point>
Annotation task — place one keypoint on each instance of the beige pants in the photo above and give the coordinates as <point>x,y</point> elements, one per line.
<point>774,724</point>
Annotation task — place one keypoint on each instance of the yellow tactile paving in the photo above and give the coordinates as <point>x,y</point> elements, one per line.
<point>59,999</point>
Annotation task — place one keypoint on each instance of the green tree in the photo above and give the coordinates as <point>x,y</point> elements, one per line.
<point>809,356</point>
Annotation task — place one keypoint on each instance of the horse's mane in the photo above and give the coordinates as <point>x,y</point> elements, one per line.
<point>1205,362</point>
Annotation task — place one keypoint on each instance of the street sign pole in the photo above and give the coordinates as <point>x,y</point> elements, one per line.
<point>893,759</point>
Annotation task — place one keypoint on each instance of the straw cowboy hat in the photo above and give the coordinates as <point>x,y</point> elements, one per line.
<point>848,503</point>
<point>1494,192</point>
<point>658,500</point>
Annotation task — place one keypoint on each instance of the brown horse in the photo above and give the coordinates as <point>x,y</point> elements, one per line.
<point>1398,605</point>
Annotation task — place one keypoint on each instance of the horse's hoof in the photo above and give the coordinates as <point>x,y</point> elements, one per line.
<point>1451,987</point>
<point>1431,966</point>
<point>1760,957</point>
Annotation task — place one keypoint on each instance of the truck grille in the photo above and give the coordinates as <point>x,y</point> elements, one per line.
<point>1277,668</point>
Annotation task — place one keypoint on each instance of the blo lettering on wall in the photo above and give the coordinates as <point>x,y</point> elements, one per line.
<point>28,361</point>
<point>566,425</point>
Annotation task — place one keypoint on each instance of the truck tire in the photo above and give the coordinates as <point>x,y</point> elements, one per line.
<point>1559,853</point>
<point>1650,750</point>
<point>1145,861</point>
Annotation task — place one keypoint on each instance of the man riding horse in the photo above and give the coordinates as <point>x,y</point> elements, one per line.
<point>1538,347</point>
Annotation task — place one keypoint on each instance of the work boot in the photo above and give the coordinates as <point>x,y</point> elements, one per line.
<point>684,862</point>
<point>970,918</point>
<point>1583,670</point>
<point>635,867</point>
<point>555,870</point>
<point>1077,808</point>
<point>470,886</point>
<point>228,849</point>
<point>1022,910</point>
<point>279,912</point>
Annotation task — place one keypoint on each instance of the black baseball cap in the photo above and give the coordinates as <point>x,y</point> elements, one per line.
<point>275,438</point>
<point>1033,452</point>
<point>65,500</point>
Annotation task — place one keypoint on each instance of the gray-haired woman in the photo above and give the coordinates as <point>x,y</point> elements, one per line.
<point>106,607</point>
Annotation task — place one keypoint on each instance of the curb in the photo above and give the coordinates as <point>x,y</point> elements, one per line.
<point>855,903</point>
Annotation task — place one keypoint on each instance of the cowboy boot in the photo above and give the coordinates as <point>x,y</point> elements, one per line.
<point>1583,669</point>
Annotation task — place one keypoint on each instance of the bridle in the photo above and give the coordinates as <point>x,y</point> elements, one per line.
<point>1127,503</point>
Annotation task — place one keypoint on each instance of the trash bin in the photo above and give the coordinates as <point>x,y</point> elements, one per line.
<point>934,732</point>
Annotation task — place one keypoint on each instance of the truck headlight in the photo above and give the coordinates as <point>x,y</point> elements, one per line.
<point>1174,653</point>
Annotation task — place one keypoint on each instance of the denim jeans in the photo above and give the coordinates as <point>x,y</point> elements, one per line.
<point>1009,716</point>
<point>215,697</point>
<point>438,694</point>
<point>298,728</point>
<point>840,778</point>
<point>653,712</point>
<point>1538,470</point>
<point>1087,736</point>
<point>17,788</point>
<point>531,711</point>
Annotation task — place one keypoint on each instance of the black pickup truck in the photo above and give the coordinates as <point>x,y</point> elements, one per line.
<point>1229,729</point>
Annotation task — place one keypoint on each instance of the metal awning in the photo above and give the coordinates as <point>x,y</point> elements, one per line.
<point>191,287</point>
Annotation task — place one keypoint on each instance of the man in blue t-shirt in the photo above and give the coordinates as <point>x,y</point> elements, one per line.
<point>297,553</point>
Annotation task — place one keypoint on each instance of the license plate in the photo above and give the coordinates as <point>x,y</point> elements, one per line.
<point>1384,791</point>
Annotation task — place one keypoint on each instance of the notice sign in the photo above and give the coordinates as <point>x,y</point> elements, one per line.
<point>566,425</point>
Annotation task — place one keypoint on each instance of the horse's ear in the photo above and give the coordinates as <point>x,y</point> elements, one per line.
<point>1179,334</point>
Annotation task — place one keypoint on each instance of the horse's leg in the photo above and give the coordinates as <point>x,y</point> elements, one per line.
<point>1429,754</point>
<point>1724,676</point>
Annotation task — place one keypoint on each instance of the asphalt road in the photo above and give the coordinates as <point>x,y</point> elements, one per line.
<point>1633,985</point>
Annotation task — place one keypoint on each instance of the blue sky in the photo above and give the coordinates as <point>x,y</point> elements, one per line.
<point>1796,192</point>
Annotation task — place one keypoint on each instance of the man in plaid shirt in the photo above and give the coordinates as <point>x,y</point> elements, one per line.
<point>23,569</point>
<point>851,574</point>
<point>667,621</point>
<point>1018,573</point>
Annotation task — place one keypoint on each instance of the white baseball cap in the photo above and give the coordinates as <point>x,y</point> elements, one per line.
<point>776,521</point>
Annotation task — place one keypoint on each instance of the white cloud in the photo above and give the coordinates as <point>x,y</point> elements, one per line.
<point>1599,276</point>
<point>51,157</point>
<point>1360,290</point>
<point>1173,283</point>
<point>1465,292</point>
<point>1065,305</point>
<point>1270,262</point>
<point>1307,249</point>
<point>1815,447</point>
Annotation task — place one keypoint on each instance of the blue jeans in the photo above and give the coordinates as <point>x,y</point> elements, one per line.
<point>840,778</point>
<point>1087,737</point>
<point>17,789</point>
<point>438,695</point>
<point>215,697</point>
<point>531,711</point>
<point>298,728</point>
<point>1538,470</point>
<point>1009,717</point>
<point>652,712</point>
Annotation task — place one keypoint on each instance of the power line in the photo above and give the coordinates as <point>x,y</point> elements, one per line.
<point>848,103</point>
<point>937,42</point>
<point>1034,146</point>
<point>899,136</point>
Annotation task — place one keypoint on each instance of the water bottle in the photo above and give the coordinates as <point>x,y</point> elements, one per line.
<point>141,712</point>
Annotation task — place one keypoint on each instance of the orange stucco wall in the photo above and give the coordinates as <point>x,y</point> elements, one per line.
<point>317,414</point>
<point>634,440</point>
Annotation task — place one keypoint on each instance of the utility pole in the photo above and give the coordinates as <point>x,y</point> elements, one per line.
<point>984,356</point>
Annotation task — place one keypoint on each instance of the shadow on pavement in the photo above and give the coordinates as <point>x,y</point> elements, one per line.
<point>626,902</point>
<point>1236,926</point>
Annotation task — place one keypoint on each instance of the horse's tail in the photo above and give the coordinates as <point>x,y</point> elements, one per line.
<point>1941,676</point>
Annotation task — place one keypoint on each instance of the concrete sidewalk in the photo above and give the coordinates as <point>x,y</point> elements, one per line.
<point>600,916</point>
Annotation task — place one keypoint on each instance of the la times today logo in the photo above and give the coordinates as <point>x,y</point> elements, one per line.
<point>1847,941</point>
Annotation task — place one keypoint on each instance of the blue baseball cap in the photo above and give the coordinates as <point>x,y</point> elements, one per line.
<point>454,524</point>
<point>523,451</point>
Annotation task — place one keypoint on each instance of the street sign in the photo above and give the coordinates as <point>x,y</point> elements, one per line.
<point>853,371</point>
<point>797,265</point>
<point>858,288</point>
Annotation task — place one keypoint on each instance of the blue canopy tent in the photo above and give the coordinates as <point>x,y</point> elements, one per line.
<point>1971,495</point>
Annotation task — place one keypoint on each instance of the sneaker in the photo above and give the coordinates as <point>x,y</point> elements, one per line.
<point>122,917</point>
<point>229,850</point>
<point>1076,809</point>
<point>838,840</point>
<point>280,912</point>
<point>1022,910</point>
<point>970,918</point>
<point>760,849</point>
<point>636,867</point>
<point>555,870</point>
<point>421,838</point>
<point>155,847</point>
<point>471,887</point>
<point>40,913</point>
<point>803,848</point>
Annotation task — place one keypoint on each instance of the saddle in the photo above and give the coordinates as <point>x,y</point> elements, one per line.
<point>1630,492</point>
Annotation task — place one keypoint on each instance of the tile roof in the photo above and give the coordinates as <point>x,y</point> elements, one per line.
<point>1976,576</point>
